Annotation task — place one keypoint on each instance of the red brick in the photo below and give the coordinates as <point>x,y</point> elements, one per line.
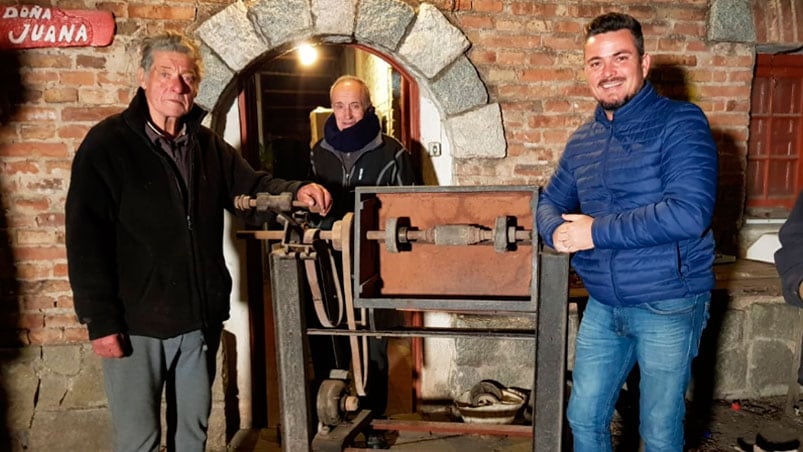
<point>488,6</point>
<point>38,77</point>
<point>65,302</point>
<point>93,114</point>
<point>60,95</point>
<point>31,114</point>
<point>563,42</point>
<point>476,21</point>
<point>119,9</point>
<point>36,131</point>
<point>45,60</point>
<point>77,334</point>
<point>90,61</point>
<point>42,336</point>
<point>39,303</point>
<point>39,253</point>
<point>20,167</point>
<point>160,12</point>
<point>60,270</point>
<point>73,131</point>
<point>78,78</point>
<point>32,148</point>
<point>60,320</point>
<point>31,320</point>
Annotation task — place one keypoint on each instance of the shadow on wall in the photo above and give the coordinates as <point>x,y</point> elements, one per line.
<point>672,82</point>
<point>11,94</point>
<point>229,376</point>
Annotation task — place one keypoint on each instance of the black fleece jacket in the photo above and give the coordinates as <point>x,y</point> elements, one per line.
<point>789,258</point>
<point>144,249</point>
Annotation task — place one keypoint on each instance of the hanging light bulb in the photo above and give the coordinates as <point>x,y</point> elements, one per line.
<point>307,54</point>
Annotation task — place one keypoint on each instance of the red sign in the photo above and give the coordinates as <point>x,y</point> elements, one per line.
<point>30,26</point>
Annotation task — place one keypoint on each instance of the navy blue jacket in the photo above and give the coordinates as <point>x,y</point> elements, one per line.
<point>649,179</point>
<point>144,249</point>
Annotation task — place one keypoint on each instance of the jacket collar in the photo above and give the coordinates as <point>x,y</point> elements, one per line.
<point>633,109</point>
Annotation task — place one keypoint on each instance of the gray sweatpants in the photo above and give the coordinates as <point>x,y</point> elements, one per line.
<point>182,366</point>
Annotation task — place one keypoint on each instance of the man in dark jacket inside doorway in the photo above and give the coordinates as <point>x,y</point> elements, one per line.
<point>354,152</point>
<point>144,236</point>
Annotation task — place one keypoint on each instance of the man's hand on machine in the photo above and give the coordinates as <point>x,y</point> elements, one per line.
<point>316,197</point>
<point>312,197</point>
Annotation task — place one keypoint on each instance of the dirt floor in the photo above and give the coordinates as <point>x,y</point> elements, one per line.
<point>733,425</point>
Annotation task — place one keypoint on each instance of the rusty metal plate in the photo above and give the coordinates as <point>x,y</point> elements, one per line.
<point>445,271</point>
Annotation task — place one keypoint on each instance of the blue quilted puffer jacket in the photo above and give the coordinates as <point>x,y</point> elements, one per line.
<point>649,179</point>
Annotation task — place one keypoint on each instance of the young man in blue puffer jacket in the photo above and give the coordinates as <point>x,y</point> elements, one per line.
<point>632,198</point>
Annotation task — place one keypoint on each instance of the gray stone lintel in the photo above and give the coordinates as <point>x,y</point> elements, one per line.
<point>281,21</point>
<point>459,88</point>
<point>731,21</point>
<point>433,42</point>
<point>383,22</point>
<point>217,75</point>
<point>477,133</point>
<point>334,16</point>
<point>232,37</point>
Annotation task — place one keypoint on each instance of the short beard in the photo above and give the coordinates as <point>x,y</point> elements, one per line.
<point>613,106</point>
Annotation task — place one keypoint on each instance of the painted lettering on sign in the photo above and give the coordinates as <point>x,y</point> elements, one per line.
<point>30,26</point>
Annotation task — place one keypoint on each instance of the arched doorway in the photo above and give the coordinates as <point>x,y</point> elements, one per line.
<point>422,42</point>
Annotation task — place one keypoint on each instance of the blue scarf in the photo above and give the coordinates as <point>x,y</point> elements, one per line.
<point>355,137</point>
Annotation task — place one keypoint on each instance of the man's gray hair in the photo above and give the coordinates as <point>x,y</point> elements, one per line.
<point>170,42</point>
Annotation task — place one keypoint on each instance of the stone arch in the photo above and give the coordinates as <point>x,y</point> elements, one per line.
<point>422,40</point>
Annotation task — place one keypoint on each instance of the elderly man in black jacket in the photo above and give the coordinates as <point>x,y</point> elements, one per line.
<point>144,224</point>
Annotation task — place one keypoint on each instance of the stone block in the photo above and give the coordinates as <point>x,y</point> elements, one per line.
<point>774,321</point>
<point>20,386</point>
<point>383,22</point>
<point>217,77</point>
<point>731,333</point>
<point>62,359</point>
<point>232,36</point>
<point>433,43</point>
<point>771,368</point>
<point>477,133</point>
<point>459,88</point>
<point>280,21</point>
<point>86,389</point>
<point>730,374</point>
<point>71,431</point>
<point>731,21</point>
<point>334,16</point>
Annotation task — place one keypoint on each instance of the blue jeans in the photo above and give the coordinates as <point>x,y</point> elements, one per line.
<point>663,338</point>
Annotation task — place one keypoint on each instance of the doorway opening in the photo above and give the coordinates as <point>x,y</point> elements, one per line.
<point>283,106</point>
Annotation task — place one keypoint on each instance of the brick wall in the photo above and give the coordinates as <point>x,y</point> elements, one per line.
<point>528,54</point>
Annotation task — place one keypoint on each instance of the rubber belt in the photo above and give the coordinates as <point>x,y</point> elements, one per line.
<point>359,361</point>
<point>315,287</point>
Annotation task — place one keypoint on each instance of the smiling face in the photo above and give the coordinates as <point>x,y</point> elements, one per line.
<point>348,103</point>
<point>170,85</point>
<point>614,69</point>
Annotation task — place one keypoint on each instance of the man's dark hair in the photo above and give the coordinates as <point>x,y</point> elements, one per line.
<point>615,22</point>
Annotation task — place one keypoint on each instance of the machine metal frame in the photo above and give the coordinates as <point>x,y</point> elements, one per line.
<point>546,304</point>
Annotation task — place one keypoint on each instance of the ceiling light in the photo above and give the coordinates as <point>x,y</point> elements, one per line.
<point>307,54</point>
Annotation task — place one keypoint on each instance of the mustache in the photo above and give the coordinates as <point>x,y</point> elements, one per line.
<point>611,80</point>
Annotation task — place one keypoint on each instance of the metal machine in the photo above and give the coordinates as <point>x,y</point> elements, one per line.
<point>455,249</point>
